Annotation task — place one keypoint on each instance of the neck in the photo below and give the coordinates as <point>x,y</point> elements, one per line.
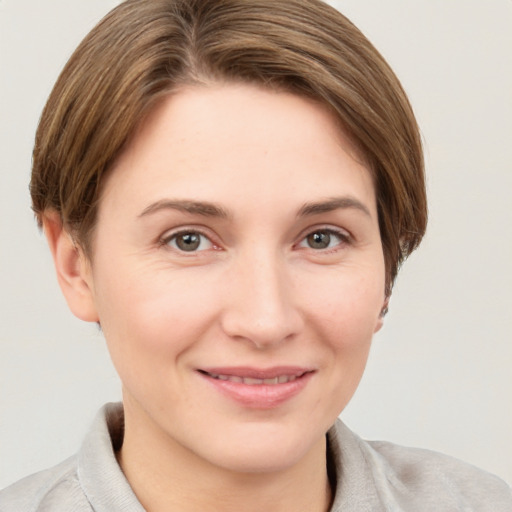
<point>167,476</point>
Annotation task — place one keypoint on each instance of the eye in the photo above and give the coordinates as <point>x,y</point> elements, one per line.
<point>188,241</point>
<point>322,239</point>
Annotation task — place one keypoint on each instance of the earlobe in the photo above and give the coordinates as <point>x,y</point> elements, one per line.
<point>72,267</point>
<point>382,314</point>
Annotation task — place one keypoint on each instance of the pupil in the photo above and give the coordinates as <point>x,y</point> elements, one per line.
<point>188,242</point>
<point>319,240</point>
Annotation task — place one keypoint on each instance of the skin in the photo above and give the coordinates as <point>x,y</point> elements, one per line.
<point>258,291</point>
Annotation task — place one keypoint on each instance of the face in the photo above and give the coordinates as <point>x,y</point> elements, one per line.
<point>238,275</point>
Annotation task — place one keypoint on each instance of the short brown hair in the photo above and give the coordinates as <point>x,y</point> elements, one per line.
<point>143,50</point>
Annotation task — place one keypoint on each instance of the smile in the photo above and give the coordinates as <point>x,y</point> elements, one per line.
<point>251,381</point>
<point>258,388</point>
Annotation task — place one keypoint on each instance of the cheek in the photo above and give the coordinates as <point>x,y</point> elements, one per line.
<point>147,314</point>
<point>346,321</point>
<point>343,313</point>
<point>149,324</point>
<point>348,305</point>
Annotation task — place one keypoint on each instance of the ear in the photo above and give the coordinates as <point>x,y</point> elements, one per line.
<point>382,314</point>
<point>73,268</point>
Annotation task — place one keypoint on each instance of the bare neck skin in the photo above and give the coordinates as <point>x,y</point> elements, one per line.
<point>167,476</point>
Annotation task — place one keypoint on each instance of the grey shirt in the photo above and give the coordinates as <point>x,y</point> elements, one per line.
<point>369,476</point>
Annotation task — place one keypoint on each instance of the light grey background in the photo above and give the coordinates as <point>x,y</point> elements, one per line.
<point>440,372</point>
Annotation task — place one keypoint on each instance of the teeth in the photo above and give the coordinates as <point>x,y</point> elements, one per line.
<point>250,381</point>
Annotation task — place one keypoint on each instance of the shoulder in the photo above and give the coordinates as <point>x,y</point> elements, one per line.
<point>437,479</point>
<point>404,478</point>
<point>55,489</point>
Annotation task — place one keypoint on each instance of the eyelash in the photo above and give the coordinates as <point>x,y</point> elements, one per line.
<point>166,240</point>
<point>343,239</point>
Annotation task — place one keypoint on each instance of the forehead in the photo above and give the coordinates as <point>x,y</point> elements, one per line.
<point>231,141</point>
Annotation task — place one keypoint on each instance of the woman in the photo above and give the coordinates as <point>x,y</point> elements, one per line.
<point>228,189</point>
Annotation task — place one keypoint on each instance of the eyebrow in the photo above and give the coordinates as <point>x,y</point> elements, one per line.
<point>208,209</point>
<point>193,207</point>
<point>332,204</point>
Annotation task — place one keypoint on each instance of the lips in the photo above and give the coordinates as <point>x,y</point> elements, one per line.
<point>250,381</point>
<point>258,388</point>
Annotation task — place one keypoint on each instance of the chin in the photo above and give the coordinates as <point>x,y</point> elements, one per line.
<point>264,449</point>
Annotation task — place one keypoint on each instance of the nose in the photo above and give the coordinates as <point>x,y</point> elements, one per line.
<point>261,306</point>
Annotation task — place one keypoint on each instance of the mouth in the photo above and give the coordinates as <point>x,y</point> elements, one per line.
<point>258,388</point>
<point>254,381</point>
